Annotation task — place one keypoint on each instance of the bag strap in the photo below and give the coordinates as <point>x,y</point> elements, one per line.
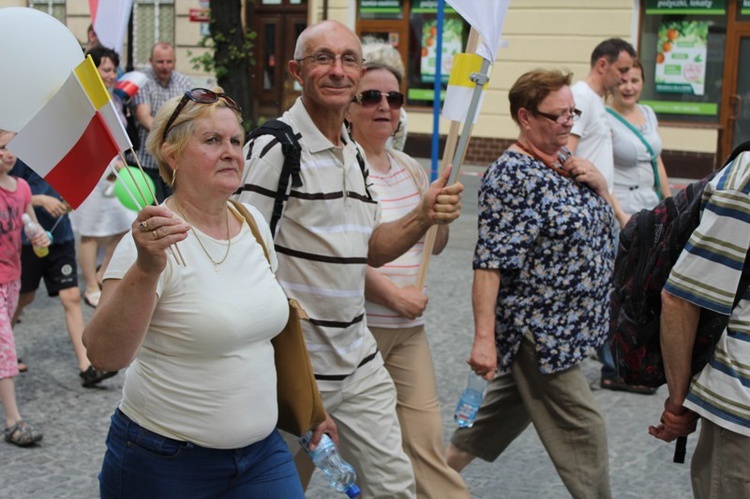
<point>654,164</point>
<point>292,152</point>
<point>253,226</point>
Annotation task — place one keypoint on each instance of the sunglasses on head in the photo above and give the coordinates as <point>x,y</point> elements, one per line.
<point>371,98</point>
<point>201,96</point>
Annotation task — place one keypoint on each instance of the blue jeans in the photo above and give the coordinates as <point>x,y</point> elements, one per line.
<point>144,464</point>
<point>609,370</point>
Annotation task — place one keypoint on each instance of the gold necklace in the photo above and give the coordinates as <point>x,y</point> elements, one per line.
<point>200,243</point>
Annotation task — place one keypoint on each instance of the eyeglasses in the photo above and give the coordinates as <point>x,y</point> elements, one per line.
<point>201,96</point>
<point>371,98</point>
<point>328,59</point>
<point>561,119</point>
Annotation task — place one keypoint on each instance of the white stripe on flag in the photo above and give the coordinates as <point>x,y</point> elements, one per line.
<point>48,137</point>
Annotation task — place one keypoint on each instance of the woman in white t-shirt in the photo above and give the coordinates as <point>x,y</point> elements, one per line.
<point>190,304</point>
<point>636,184</point>
<point>395,306</point>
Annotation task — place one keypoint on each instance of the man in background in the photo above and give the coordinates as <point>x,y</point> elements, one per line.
<point>163,84</point>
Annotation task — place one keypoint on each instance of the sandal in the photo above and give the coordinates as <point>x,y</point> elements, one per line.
<point>22,434</point>
<point>92,299</point>
<point>22,367</point>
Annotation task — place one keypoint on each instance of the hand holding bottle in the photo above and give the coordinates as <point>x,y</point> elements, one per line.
<point>39,238</point>
<point>340,474</point>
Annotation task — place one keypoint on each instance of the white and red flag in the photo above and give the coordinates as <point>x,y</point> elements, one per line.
<point>74,137</point>
<point>128,84</point>
<point>110,21</point>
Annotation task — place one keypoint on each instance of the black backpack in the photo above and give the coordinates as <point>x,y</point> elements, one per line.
<point>292,151</point>
<point>649,246</point>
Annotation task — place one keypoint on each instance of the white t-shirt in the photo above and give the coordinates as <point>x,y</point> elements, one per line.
<point>592,127</point>
<point>205,372</point>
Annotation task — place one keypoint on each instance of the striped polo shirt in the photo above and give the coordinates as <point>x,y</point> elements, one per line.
<point>707,274</point>
<point>321,241</point>
<point>399,192</point>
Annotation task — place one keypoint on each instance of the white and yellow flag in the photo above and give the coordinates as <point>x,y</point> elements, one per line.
<point>461,88</point>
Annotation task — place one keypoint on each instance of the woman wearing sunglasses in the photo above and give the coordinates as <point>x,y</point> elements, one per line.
<point>190,304</point>
<point>542,279</point>
<point>395,306</point>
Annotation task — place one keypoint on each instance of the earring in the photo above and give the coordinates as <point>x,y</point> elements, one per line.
<point>174,177</point>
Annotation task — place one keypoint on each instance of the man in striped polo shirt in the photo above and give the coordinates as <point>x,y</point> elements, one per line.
<point>707,275</point>
<point>328,233</point>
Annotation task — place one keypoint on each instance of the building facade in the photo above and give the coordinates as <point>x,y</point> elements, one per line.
<point>691,50</point>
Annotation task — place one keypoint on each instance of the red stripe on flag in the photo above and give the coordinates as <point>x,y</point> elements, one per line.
<point>129,87</point>
<point>78,172</point>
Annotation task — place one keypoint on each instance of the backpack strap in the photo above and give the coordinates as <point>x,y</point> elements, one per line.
<point>654,164</point>
<point>292,151</point>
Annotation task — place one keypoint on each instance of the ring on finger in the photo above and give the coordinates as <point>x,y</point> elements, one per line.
<point>143,226</point>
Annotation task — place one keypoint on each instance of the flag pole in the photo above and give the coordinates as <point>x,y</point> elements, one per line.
<point>480,79</point>
<point>449,152</point>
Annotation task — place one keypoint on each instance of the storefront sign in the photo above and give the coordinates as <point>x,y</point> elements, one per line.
<point>429,7</point>
<point>380,9</point>
<point>686,7</point>
<point>681,57</point>
<point>677,107</point>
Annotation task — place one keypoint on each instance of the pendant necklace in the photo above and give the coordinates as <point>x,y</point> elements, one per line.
<point>200,243</point>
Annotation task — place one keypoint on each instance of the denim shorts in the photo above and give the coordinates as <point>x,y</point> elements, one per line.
<point>141,463</point>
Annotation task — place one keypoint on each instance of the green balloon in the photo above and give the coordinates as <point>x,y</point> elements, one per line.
<point>126,190</point>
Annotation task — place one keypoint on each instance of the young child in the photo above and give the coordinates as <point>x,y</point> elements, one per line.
<point>15,200</point>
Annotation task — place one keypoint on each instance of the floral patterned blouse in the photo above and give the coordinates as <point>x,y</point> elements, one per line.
<point>552,241</point>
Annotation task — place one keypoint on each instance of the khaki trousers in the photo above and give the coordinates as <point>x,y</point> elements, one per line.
<point>719,468</point>
<point>408,360</point>
<point>565,416</point>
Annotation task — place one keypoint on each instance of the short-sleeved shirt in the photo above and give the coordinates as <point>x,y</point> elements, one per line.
<point>592,127</point>
<point>322,241</point>
<point>12,205</point>
<point>551,240</point>
<point>707,274</point>
<point>156,95</point>
<point>205,371</point>
<point>634,172</point>
<point>399,192</point>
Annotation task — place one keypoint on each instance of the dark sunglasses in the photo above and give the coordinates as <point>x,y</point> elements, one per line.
<point>201,96</point>
<point>371,98</point>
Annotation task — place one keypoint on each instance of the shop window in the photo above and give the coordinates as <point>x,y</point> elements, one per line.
<point>153,21</point>
<point>682,51</point>
<point>411,27</point>
<point>55,8</point>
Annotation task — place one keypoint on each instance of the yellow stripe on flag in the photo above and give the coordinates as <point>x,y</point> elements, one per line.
<point>463,66</point>
<point>92,83</point>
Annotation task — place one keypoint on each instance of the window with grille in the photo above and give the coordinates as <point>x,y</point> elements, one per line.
<point>153,21</point>
<point>55,8</point>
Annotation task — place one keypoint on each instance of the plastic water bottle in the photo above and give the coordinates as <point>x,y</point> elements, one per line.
<point>32,229</point>
<point>340,474</point>
<point>471,399</point>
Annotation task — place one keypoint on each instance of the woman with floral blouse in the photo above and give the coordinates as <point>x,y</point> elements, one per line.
<point>542,278</point>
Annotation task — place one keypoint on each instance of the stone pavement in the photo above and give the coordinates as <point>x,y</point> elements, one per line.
<point>75,420</point>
